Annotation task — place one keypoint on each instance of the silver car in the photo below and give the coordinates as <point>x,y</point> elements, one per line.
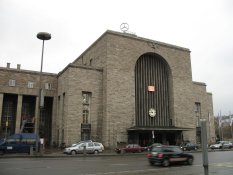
<point>221,144</point>
<point>89,147</point>
<point>84,141</point>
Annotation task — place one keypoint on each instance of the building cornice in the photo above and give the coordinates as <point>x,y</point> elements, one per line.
<point>71,65</point>
<point>26,71</point>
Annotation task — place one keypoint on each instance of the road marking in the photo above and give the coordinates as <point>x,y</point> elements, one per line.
<point>119,164</point>
<point>224,164</point>
<point>28,168</point>
<point>132,171</point>
<point>18,162</point>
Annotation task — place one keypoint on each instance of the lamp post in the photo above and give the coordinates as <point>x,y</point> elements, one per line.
<point>42,36</point>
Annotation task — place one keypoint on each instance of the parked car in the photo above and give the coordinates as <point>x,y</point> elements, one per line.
<point>83,141</point>
<point>167,155</point>
<point>189,146</point>
<point>217,145</point>
<point>221,144</point>
<point>130,148</point>
<point>19,143</point>
<point>2,140</point>
<point>87,147</point>
<point>227,144</point>
<point>149,148</point>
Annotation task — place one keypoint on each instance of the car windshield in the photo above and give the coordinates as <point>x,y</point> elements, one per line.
<point>157,149</point>
<point>74,145</point>
<point>2,141</point>
<point>156,144</point>
<point>219,142</point>
<point>176,149</point>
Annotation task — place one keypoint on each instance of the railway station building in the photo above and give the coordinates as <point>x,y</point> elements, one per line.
<point>122,89</point>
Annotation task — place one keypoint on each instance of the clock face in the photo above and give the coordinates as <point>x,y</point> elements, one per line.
<point>152,112</point>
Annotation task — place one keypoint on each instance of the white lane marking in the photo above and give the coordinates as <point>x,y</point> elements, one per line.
<point>119,164</point>
<point>224,164</point>
<point>131,171</point>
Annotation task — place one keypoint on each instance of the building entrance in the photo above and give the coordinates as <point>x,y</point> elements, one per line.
<point>146,138</point>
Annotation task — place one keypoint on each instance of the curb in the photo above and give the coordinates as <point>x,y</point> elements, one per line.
<point>61,155</point>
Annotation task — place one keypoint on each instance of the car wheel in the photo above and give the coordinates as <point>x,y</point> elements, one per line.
<point>73,152</point>
<point>190,161</point>
<point>96,152</point>
<point>152,163</point>
<point>1,152</point>
<point>166,163</point>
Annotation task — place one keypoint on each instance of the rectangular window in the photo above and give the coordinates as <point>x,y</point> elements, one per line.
<point>85,116</point>
<point>11,82</point>
<point>48,86</point>
<point>86,106</point>
<point>198,113</point>
<point>197,107</point>
<point>30,84</point>
<point>86,97</point>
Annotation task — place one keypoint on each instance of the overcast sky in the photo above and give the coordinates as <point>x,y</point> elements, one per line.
<point>203,26</point>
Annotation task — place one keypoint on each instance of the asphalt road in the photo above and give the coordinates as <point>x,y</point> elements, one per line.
<point>220,163</point>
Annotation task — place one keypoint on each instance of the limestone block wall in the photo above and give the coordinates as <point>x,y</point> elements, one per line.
<point>116,54</point>
<point>79,79</point>
<point>22,77</point>
<point>62,106</point>
<point>201,96</point>
<point>123,52</point>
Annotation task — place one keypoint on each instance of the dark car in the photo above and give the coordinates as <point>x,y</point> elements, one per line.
<point>149,148</point>
<point>19,143</point>
<point>166,155</point>
<point>1,140</point>
<point>189,146</point>
<point>131,148</point>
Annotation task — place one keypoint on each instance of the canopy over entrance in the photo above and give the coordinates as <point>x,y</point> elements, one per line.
<point>145,136</point>
<point>135,128</point>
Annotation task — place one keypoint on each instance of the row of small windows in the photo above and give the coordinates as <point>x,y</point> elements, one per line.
<point>47,86</point>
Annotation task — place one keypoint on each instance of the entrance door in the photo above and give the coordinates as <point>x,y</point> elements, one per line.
<point>145,138</point>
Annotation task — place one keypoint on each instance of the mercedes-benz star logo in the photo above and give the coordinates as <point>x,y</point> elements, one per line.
<point>124,27</point>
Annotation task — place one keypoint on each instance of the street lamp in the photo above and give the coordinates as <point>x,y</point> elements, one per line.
<point>42,36</point>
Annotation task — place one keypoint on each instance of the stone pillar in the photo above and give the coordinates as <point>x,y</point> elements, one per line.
<point>36,114</point>
<point>1,105</point>
<point>18,113</point>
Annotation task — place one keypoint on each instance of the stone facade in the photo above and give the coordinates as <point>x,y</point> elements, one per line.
<point>116,54</point>
<point>106,71</point>
<point>22,90</point>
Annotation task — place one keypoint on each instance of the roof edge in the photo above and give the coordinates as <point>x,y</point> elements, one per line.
<point>132,36</point>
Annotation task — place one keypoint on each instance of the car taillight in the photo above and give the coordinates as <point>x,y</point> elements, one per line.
<point>149,155</point>
<point>160,155</point>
